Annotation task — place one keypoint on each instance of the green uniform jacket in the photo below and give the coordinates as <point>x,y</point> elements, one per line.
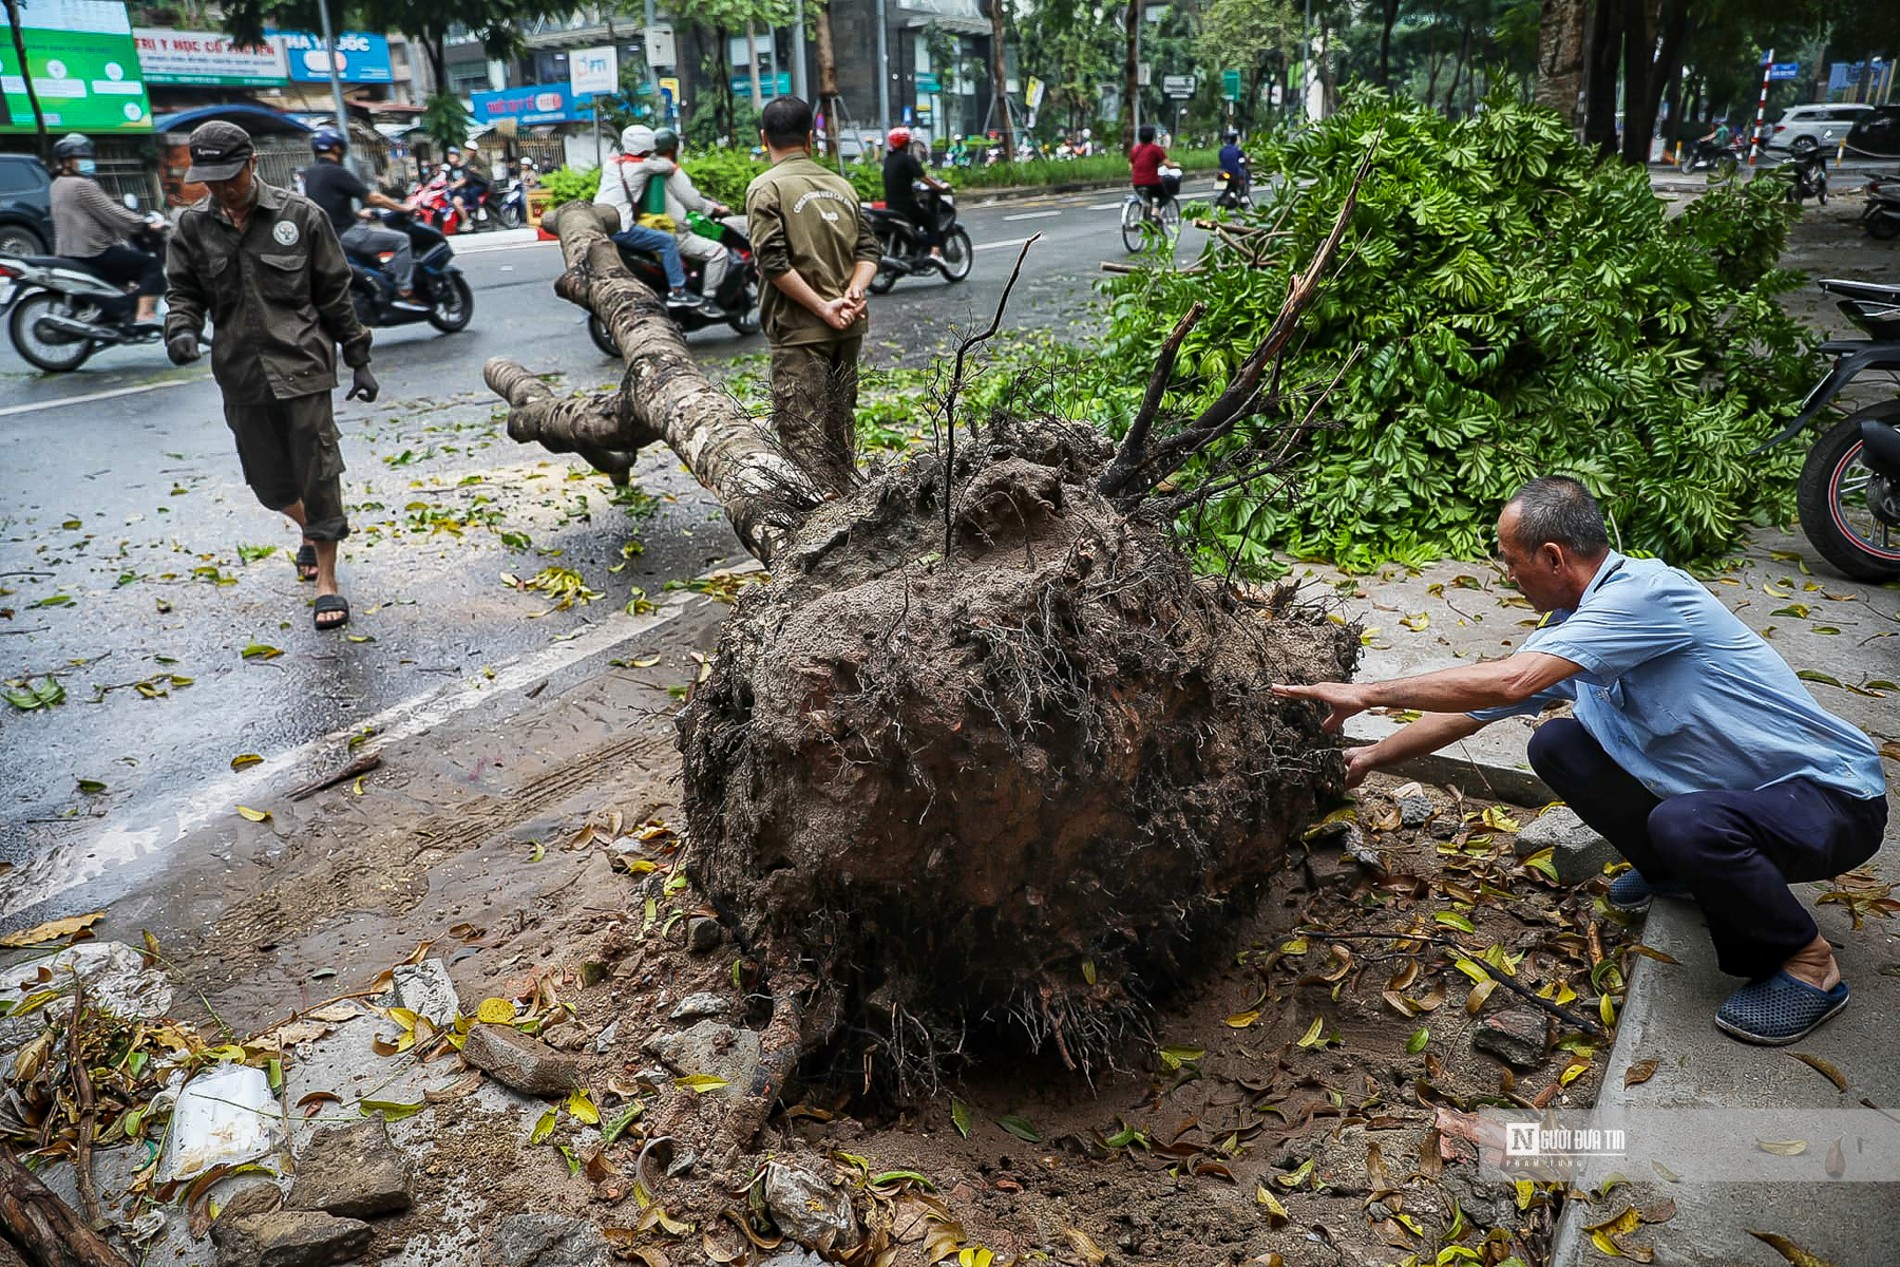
<point>806,217</point>
<point>279,295</point>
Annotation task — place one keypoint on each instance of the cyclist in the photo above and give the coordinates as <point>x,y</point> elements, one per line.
<point>1144,167</point>
<point>89,228</point>
<point>900,169</point>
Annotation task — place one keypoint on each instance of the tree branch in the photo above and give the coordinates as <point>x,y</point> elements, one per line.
<point>1135,444</point>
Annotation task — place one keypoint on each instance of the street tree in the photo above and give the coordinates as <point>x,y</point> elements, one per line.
<point>1253,36</point>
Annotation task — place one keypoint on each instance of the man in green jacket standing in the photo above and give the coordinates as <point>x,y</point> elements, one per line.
<point>266,266</point>
<point>817,251</point>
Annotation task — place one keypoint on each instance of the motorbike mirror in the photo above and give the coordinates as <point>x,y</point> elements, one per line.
<point>131,201</point>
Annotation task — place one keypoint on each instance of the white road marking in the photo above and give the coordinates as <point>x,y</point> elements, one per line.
<point>92,396</point>
<point>991,246</point>
<point>1106,206</point>
<point>1032,215</point>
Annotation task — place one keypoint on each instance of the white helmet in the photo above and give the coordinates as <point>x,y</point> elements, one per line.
<point>636,138</point>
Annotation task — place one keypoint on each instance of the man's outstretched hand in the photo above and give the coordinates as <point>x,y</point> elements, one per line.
<point>1342,698</point>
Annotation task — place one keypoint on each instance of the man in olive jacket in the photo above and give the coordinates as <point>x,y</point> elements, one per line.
<point>265,265</point>
<point>813,245</point>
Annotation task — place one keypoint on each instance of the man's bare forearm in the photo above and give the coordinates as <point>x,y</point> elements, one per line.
<point>799,291</point>
<point>1428,734</point>
<point>1468,687</point>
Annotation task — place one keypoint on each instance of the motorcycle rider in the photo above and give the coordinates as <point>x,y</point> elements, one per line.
<point>470,183</point>
<point>623,184</point>
<point>714,258</point>
<point>90,229</point>
<point>1233,163</point>
<point>900,169</point>
<point>337,189</point>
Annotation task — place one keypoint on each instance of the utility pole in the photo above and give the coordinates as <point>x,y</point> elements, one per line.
<point>798,52</point>
<point>1306,63</point>
<point>883,69</point>
<point>336,81</point>
<point>653,72</point>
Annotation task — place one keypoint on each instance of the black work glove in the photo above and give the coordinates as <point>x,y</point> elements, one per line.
<point>363,386</point>
<point>182,348</point>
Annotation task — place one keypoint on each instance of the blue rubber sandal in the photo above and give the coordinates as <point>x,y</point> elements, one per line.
<point>1778,1010</point>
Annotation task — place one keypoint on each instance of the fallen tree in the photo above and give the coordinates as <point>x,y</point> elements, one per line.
<point>985,757</point>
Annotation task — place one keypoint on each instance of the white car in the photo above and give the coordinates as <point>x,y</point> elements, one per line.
<point>1804,129</point>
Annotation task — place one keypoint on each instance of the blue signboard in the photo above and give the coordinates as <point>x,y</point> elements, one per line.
<point>537,103</point>
<point>361,58</point>
<point>1784,70</point>
<point>770,86</point>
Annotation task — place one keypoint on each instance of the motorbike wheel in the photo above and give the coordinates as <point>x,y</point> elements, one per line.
<point>958,254</point>
<point>748,321</point>
<point>456,308</point>
<point>54,357</point>
<point>510,216</point>
<point>1884,227</point>
<point>882,283</point>
<point>1833,501</point>
<point>603,337</point>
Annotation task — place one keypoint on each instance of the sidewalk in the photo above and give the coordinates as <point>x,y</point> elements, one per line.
<point>1469,615</point>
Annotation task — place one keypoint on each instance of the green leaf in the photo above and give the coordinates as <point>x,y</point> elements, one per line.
<point>543,1127</point>
<point>1452,919</point>
<point>1815,675</point>
<point>1172,1058</point>
<point>1020,1127</point>
<point>960,1116</point>
<point>615,1128</point>
<point>91,787</point>
<point>1416,1043</point>
<point>260,651</point>
<point>392,1110</point>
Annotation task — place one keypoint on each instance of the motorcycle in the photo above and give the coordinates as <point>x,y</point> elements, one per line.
<point>1881,216</point>
<point>512,208</point>
<point>737,296</point>
<point>432,204</point>
<point>1849,492</point>
<point>1235,191</point>
<point>906,254</point>
<point>61,313</point>
<point>443,296</point>
<point>1722,160</point>
<point>1807,177</point>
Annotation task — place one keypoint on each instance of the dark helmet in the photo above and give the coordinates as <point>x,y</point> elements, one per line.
<point>1233,138</point>
<point>666,141</point>
<point>73,145</point>
<point>328,139</point>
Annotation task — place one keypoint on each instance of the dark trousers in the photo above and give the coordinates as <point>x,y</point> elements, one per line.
<point>127,265</point>
<point>290,454</point>
<point>815,408</point>
<point>1736,851</point>
<point>925,222</point>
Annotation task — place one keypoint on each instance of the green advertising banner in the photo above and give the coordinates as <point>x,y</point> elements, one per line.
<point>85,69</point>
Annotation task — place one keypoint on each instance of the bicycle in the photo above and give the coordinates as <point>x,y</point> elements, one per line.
<point>1140,215</point>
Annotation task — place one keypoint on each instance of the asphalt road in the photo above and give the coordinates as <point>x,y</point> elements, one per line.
<point>134,571</point>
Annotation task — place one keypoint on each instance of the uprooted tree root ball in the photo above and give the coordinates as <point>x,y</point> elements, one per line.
<point>1016,785</point>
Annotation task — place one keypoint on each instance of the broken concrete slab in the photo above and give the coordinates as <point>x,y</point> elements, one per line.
<point>425,989</point>
<point>810,1210</point>
<point>352,1171</point>
<point>546,1240</point>
<point>1577,852</point>
<point>516,1060</point>
<point>696,1007</point>
<point>711,1048</point>
<point>289,1238</point>
<point>1517,1035</point>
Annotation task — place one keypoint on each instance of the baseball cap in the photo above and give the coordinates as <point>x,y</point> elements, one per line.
<point>218,151</point>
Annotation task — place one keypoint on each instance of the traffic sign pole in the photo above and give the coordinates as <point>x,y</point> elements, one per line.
<point>1761,107</point>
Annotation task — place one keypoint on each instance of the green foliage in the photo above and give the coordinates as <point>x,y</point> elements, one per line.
<point>446,121</point>
<point>567,184</point>
<point>723,174</point>
<point>1516,309</point>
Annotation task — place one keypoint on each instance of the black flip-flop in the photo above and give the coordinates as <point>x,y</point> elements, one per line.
<point>327,603</point>
<point>306,561</point>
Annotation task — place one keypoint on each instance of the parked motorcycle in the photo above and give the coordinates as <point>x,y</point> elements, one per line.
<point>1881,216</point>
<point>1849,493</point>
<point>443,296</point>
<point>61,313</point>
<point>906,254</point>
<point>1807,177</point>
<point>737,296</point>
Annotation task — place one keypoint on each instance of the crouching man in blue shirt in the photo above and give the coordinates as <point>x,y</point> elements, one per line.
<point>1693,748</point>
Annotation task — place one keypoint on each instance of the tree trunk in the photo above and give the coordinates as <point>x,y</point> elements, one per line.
<point>828,83</point>
<point>1639,45</point>
<point>1458,68</point>
<point>1671,39</point>
<point>42,1228</point>
<point>26,75</point>
<point>1131,74</point>
<point>723,115</point>
<point>1433,64</point>
<point>1560,57</point>
<point>1387,20</point>
<point>999,78</point>
<point>752,65</point>
<point>663,397</point>
<point>1606,43</point>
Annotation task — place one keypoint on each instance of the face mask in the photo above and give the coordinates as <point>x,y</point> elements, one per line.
<point>87,167</point>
